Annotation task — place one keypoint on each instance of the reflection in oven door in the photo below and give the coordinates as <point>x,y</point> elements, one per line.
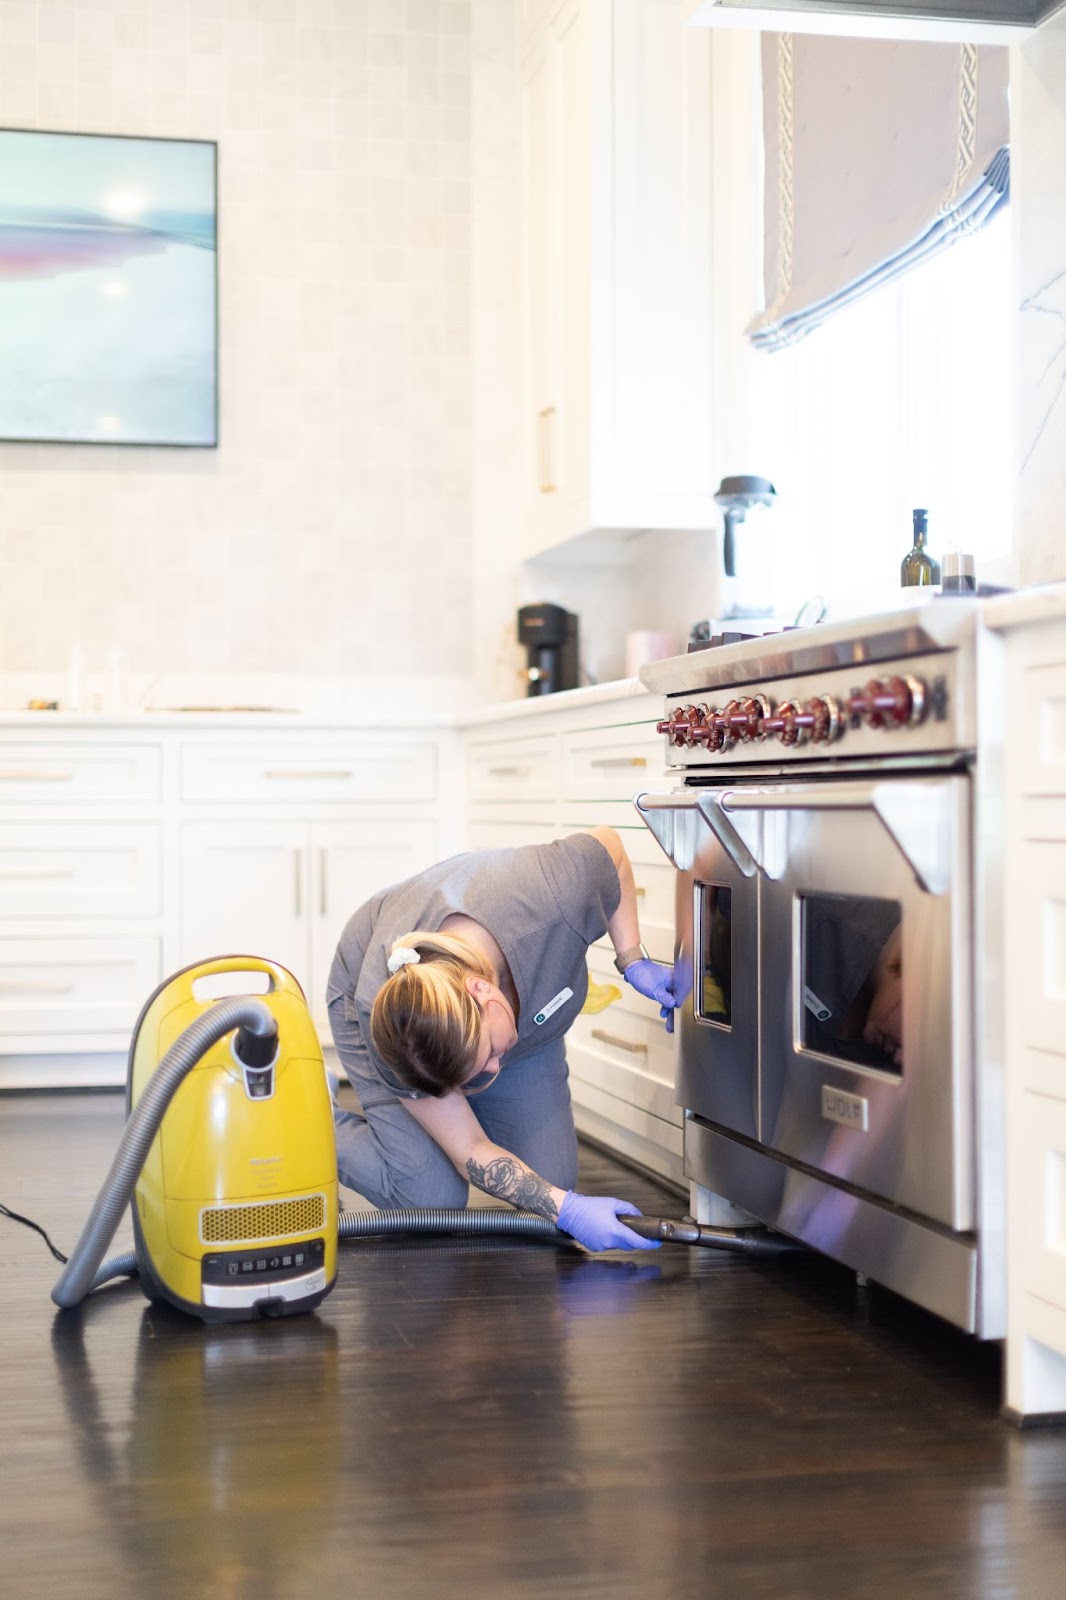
<point>866,1069</point>
<point>716,957</point>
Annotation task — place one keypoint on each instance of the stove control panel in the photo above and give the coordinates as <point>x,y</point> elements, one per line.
<point>798,715</point>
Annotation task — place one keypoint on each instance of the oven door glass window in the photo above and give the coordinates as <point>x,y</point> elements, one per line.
<point>851,966</point>
<point>714,982</point>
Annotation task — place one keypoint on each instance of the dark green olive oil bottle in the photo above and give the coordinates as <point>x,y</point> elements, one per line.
<point>918,566</point>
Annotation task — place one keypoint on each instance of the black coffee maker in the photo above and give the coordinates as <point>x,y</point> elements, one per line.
<point>550,636</point>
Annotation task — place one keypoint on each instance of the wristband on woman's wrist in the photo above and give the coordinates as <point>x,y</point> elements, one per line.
<point>626,958</point>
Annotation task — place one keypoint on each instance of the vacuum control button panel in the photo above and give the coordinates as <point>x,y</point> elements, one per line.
<point>267,1261</point>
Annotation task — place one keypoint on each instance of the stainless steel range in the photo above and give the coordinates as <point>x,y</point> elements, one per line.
<point>838,1061</point>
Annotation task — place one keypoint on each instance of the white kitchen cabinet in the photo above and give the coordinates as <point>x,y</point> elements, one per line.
<point>1032,834</point>
<point>551,770</point>
<point>128,850</point>
<point>616,186</point>
<point>285,889</point>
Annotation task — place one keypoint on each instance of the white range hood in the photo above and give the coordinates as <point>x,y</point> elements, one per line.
<point>975,21</point>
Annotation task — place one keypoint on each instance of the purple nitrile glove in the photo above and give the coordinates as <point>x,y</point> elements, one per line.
<point>591,1220</point>
<point>655,981</point>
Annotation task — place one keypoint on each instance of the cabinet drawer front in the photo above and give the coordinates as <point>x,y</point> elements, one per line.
<point>309,770</point>
<point>629,1032</point>
<point>56,774</point>
<point>80,986</point>
<point>483,834</point>
<point>1043,1221</point>
<point>610,763</point>
<point>601,1064</point>
<point>513,769</point>
<point>105,869</point>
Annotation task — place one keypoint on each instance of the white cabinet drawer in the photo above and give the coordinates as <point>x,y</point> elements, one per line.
<point>1043,1227</point>
<point>513,769</point>
<point>629,1033</point>
<point>57,774</point>
<point>1040,888</point>
<point>78,986</point>
<point>610,763</point>
<point>309,770</point>
<point>506,833</point>
<point>58,869</point>
<point>594,1063</point>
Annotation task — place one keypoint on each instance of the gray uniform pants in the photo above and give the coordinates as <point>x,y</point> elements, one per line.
<point>385,1156</point>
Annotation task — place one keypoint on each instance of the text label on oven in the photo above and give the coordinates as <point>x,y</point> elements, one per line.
<point>849,1109</point>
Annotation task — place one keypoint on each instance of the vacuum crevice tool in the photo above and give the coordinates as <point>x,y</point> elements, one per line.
<point>739,1241</point>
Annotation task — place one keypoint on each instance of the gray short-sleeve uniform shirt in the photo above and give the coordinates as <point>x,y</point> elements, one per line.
<point>543,904</point>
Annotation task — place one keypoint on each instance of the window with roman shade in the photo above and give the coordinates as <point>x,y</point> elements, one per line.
<point>878,154</point>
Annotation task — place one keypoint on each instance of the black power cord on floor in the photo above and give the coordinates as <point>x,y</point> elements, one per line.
<point>36,1226</point>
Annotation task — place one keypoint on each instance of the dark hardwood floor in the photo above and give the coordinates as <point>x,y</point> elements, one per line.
<point>481,1419</point>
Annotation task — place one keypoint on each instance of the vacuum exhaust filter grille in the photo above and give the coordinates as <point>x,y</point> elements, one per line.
<point>267,1219</point>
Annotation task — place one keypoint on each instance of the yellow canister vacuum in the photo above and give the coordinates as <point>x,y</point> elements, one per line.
<point>229,1160</point>
<point>228,1154</point>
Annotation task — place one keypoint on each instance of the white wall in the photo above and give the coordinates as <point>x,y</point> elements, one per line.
<point>1038,203</point>
<point>328,539</point>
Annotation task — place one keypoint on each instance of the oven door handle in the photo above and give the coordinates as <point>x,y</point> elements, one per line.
<point>918,818</point>
<point>661,812</point>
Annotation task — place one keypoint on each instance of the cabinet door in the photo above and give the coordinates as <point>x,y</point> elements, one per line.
<point>245,890</point>
<point>350,862</point>
<point>556,143</point>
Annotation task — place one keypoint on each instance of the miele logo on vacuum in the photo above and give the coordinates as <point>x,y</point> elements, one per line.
<point>849,1109</point>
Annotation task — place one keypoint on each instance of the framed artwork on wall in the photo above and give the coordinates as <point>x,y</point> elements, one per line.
<point>108,289</point>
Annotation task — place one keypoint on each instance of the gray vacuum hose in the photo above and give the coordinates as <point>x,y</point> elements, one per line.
<point>479,1220</point>
<point>80,1275</point>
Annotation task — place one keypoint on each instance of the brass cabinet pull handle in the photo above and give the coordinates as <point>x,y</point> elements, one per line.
<point>619,761</point>
<point>544,450</point>
<point>636,1049</point>
<point>307,772</point>
<point>34,775</point>
<point>508,772</point>
<point>32,877</point>
<point>36,988</point>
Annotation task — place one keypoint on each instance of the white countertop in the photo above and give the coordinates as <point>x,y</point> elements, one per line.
<point>387,719</point>
<point>1040,604</point>
<point>565,700</point>
<point>401,715</point>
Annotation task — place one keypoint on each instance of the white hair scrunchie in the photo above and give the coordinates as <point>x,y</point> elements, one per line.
<point>402,956</point>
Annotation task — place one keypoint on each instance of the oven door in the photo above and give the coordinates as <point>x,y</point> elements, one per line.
<point>865,946</point>
<point>716,956</point>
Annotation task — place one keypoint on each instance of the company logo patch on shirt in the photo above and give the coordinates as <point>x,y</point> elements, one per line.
<point>553,1005</point>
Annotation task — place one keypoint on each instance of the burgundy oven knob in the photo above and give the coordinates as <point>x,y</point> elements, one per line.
<point>705,730</point>
<point>827,721</point>
<point>678,725</point>
<point>898,702</point>
<point>788,722</point>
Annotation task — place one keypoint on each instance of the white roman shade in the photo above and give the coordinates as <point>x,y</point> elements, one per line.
<point>877,154</point>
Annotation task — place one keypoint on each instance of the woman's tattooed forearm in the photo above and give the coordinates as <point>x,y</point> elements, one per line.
<point>509,1180</point>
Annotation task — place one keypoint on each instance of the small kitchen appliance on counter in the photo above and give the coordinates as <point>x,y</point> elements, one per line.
<point>550,636</point>
<point>838,1055</point>
<point>744,501</point>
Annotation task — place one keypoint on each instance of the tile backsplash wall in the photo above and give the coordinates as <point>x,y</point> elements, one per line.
<point>329,535</point>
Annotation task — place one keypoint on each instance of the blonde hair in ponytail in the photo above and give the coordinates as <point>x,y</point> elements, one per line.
<point>425,1024</point>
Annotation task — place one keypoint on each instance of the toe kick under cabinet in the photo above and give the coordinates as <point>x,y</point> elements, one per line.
<point>554,767</point>
<point>130,847</point>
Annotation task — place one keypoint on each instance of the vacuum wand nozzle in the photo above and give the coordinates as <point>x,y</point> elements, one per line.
<point>741,1241</point>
